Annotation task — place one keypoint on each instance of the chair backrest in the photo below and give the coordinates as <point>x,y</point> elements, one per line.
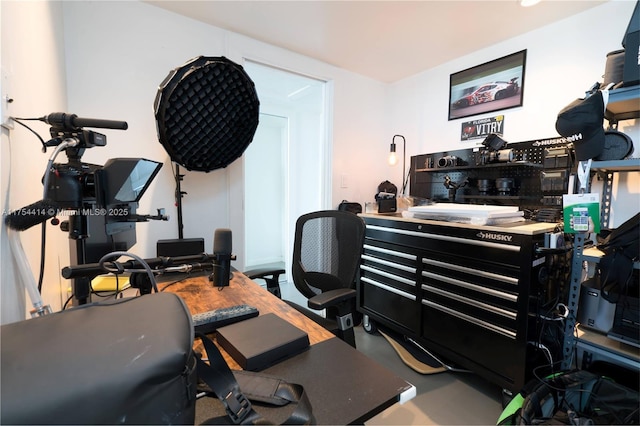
<point>326,252</point>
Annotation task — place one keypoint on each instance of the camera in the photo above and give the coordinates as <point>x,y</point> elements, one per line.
<point>494,151</point>
<point>112,190</point>
<point>120,181</point>
<point>100,201</point>
<point>502,156</point>
<point>448,161</point>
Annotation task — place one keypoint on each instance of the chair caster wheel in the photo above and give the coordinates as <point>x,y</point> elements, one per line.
<point>369,325</point>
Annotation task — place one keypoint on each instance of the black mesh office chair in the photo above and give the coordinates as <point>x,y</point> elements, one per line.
<point>326,258</point>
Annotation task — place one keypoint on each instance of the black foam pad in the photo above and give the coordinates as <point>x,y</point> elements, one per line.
<point>206,113</point>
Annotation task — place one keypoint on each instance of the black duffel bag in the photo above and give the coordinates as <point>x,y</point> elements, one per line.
<point>621,248</point>
<point>128,361</point>
<point>349,206</point>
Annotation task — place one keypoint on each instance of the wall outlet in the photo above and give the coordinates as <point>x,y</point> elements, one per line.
<point>5,100</point>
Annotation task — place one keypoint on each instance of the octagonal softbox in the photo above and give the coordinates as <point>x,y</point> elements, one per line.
<point>206,113</point>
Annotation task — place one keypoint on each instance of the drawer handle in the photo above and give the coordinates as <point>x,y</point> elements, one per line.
<point>391,252</point>
<point>508,333</point>
<point>390,264</point>
<point>470,286</point>
<point>472,302</point>
<point>389,288</point>
<point>485,274</point>
<point>388,275</point>
<point>446,238</point>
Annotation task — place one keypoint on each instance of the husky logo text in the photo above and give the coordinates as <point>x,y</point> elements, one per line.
<point>494,236</point>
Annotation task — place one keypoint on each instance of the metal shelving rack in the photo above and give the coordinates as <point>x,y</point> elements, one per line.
<point>623,104</point>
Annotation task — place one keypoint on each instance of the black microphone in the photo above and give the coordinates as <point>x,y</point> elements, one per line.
<point>223,256</point>
<point>33,214</point>
<point>66,121</point>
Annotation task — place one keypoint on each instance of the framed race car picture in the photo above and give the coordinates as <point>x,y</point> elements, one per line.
<point>492,86</point>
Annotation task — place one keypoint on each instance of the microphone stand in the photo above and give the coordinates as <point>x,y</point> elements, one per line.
<point>183,264</point>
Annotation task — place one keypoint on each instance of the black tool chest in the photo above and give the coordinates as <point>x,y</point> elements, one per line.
<point>468,293</point>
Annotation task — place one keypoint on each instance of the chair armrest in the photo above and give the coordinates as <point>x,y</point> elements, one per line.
<point>331,298</point>
<point>263,272</point>
<point>271,276</point>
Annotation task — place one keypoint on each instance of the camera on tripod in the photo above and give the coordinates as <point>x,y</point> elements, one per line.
<point>121,181</point>
<point>101,201</point>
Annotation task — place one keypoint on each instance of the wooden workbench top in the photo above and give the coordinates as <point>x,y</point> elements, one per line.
<point>200,296</point>
<point>524,228</point>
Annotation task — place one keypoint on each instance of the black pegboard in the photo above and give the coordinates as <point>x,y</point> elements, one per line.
<point>429,172</point>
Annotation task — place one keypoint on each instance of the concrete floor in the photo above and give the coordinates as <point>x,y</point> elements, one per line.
<point>447,398</point>
<point>442,399</point>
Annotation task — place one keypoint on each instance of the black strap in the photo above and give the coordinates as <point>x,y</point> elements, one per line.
<point>229,386</point>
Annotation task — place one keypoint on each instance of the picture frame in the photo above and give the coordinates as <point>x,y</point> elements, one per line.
<point>493,86</point>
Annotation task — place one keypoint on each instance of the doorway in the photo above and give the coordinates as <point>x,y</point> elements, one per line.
<point>287,166</point>
<point>265,198</point>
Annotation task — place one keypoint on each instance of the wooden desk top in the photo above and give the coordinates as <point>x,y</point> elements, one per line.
<point>200,296</point>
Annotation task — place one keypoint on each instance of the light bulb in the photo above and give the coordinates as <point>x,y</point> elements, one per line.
<point>393,159</point>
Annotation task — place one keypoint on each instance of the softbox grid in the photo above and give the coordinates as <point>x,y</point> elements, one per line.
<point>206,113</point>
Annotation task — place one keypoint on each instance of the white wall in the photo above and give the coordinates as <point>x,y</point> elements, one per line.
<point>564,59</point>
<point>116,54</point>
<point>114,70</point>
<point>33,58</point>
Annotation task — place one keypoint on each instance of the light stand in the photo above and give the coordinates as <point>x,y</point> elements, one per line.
<point>179,195</point>
<point>208,129</point>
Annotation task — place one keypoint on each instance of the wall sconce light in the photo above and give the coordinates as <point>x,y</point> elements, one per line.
<point>393,158</point>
